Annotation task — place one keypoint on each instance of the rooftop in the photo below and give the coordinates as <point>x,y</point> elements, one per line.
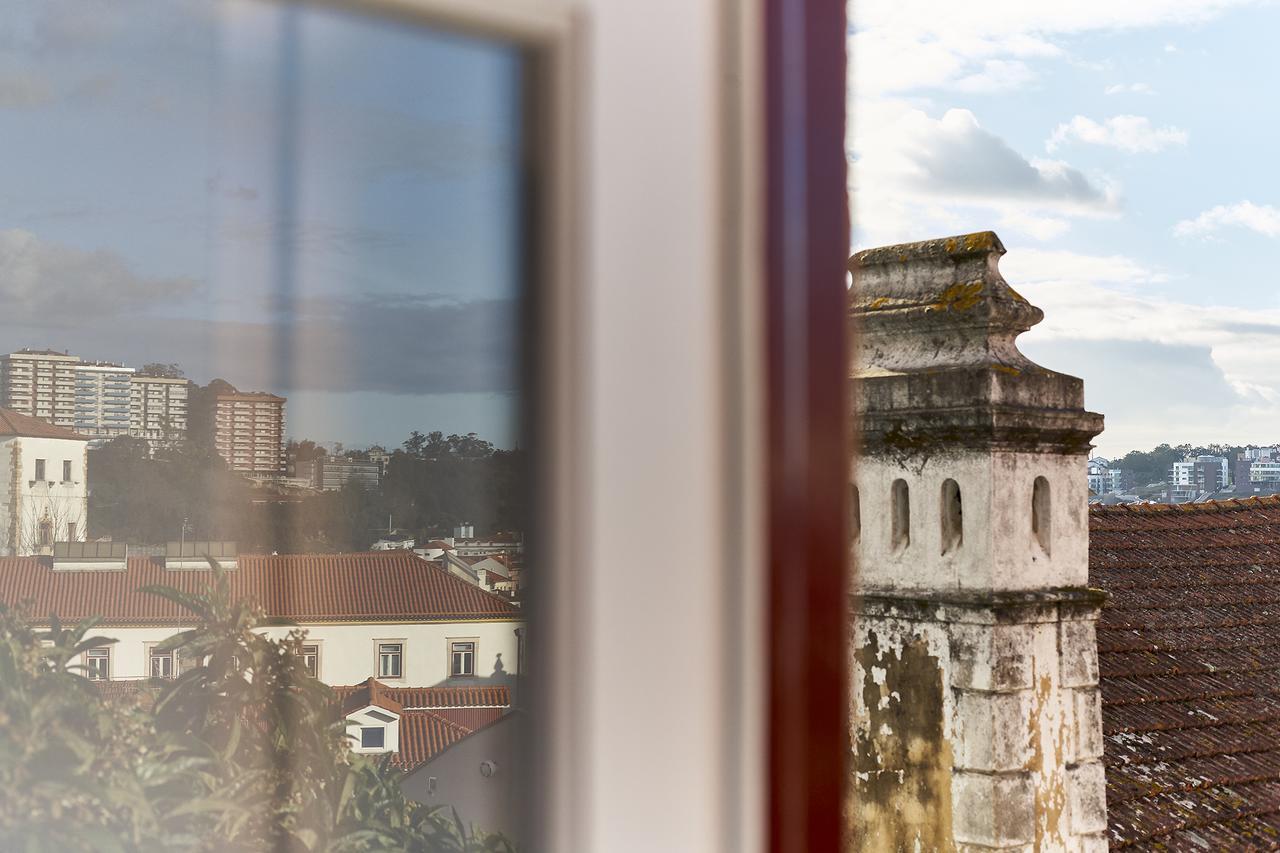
<point>383,586</point>
<point>24,426</point>
<point>1190,672</point>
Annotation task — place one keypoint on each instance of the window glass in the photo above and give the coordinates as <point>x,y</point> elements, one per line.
<point>263,277</point>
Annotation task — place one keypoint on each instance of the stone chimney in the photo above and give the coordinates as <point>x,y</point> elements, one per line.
<point>975,707</point>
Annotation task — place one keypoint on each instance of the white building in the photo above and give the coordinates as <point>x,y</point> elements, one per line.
<point>44,495</point>
<point>40,384</point>
<point>102,399</point>
<point>389,615</point>
<point>158,408</point>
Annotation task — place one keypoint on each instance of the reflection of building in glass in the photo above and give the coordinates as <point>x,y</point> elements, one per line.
<point>248,432</point>
<point>158,408</point>
<point>44,497</point>
<point>332,474</point>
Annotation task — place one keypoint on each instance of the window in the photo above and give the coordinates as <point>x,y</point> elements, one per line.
<point>66,471</point>
<point>952,516</point>
<point>98,664</point>
<point>46,532</point>
<point>372,737</point>
<point>39,469</point>
<point>390,660</point>
<point>311,660</point>
<point>901,515</point>
<point>71,531</point>
<point>162,664</point>
<point>462,658</point>
<point>1041,520</point>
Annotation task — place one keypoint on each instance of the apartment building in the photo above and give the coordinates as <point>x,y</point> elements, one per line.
<point>248,432</point>
<point>331,474</point>
<point>40,384</point>
<point>158,408</point>
<point>102,404</point>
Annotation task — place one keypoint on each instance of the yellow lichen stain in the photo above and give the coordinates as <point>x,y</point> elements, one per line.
<point>951,245</point>
<point>982,241</point>
<point>1004,368</point>
<point>878,302</point>
<point>959,297</point>
<point>1017,297</point>
<point>1051,793</point>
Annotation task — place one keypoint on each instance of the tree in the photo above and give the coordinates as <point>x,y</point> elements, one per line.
<point>162,370</point>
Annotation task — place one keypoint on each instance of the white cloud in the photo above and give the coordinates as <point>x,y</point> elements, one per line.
<point>997,75</point>
<point>916,171</point>
<point>900,45</point>
<point>1129,133</point>
<point>1262,218</point>
<point>1129,89</point>
<point>1036,266</point>
<point>41,280</point>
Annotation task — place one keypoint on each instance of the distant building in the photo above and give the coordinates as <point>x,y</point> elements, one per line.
<point>248,432</point>
<point>1194,477</point>
<point>330,474</point>
<point>102,399</point>
<point>40,384</point>
<point>379,457</point>
<point>1103,479</point>
<point>44,495</point>
<point>159,408</point>
<point>391,616</point>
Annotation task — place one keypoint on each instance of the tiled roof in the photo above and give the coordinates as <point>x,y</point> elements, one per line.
<point>379,586</point>
<point>1189,656</point>
<point>423,735</point>
<point>25,426</point>
<point>470,707</point>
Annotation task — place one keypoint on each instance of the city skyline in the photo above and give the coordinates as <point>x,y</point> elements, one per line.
<point>258,205</point>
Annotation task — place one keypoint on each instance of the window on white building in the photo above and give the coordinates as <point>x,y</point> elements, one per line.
<point>311,660</point>
<point>39,469</point>
<point>462,657</point>
<point>46,532</point>
<point>97,664</point>
<point>372,737</point>
<point>163,664</point>
<point>66,470</point>
<point>390,660</point>
<point>71,531</point>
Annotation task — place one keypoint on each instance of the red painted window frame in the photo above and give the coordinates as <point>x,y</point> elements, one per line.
<point>807,440</point>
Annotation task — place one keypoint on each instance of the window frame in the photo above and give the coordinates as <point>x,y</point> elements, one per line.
<point>66,471</point>
<point>381,730</point>
<point>302,653</point>
<point>153,655</point>
<point>474,642</point>
<point>400,655</point>
<point>41,468</point>
<point>97,653</point>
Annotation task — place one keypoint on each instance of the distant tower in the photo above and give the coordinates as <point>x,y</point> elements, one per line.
<point>976,714</point>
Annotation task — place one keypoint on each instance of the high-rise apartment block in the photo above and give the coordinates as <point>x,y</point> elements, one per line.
<point>248,432</point>
<point>99,400</point>
<point>159,408</point>
<point>40,384</point>
<point>102,399</point>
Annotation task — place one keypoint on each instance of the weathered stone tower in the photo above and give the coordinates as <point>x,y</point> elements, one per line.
<point>976,715</point>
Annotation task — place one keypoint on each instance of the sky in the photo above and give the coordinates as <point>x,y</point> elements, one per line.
<point>1125,152</point>
<point>297,201</point>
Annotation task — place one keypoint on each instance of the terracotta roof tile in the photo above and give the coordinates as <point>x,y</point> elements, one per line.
<point>15,423</point>
<point>377,586</point>
<point>1189,657</point>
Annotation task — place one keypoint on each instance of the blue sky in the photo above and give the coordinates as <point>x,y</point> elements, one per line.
<point>1125,153</point>
<point>296,201</point>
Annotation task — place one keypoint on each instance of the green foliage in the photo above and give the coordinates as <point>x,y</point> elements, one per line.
<point>244,752</point>
<point>434,484</point>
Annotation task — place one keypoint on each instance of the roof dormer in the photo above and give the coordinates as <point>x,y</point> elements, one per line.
<point>373,719</point>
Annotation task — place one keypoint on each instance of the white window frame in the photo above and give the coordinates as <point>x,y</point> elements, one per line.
<point>364,747</point>
<point>172,654</point>
<point>97,653</point>
<point>302,653</point>
<point>378,647</point>
<point>474,652</point>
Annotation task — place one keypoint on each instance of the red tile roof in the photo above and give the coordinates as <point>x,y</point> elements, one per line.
<point>424,735</point>
<point>470,707</point>
<point>15,423</point>
<point>379,586</point>
<point>1189,656</point>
